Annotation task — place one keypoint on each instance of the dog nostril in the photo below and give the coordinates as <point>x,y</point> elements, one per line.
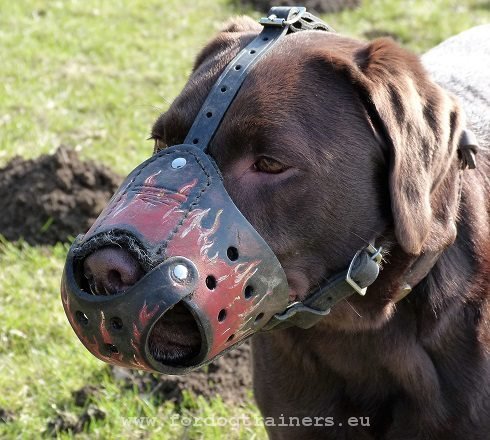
<point>111,270</point>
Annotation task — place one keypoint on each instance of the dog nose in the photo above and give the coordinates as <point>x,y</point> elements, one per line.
<point>111,270</point>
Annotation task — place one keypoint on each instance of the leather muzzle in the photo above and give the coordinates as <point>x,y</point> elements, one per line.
<point>174,214</point>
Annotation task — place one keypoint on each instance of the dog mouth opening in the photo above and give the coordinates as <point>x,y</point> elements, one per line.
<point>175,338</point>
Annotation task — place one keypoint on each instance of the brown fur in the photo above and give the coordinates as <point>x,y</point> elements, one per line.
<point>419,368</point>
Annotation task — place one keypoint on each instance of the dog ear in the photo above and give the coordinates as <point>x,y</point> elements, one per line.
<point>231,35</point>
<point>421,123</point>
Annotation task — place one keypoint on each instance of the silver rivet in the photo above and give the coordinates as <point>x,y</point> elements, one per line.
<point>272,17</point>
<point>178,163</point>
<point>180,272</point>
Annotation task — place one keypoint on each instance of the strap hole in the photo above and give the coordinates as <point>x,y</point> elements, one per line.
<point>231,337</point>
<point>329,298</point>
<point>265,39</point>
<point>221,315</point>
<point>195,141</point>
<point>252,51</point>
<point>232,253</point>
<point>249,291</point>
<point>224,89</point>
<point>111,348</point>
<point>259,317</point>
<point>238,67</point>
<point>209,115</point>
<point>81,317</point>
<point>211,282</point>
<point>116,323</point>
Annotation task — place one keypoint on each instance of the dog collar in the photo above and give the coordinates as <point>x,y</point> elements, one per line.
<point>175,215</point>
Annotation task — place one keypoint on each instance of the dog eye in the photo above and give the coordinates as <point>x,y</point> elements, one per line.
<point>268,165</point>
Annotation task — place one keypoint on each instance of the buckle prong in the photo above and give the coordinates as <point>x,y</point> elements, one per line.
<point>273,20</point>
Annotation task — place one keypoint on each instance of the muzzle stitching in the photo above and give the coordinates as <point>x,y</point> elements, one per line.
<point>202,190</point>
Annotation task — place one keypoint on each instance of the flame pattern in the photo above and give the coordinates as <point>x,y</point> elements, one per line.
<point>195,242</point>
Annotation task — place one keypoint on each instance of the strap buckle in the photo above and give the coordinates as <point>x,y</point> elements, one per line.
<point>272,19</point>
<point>375,255</point>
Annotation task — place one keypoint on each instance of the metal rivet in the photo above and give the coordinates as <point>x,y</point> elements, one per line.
<point>272,17</point>
<point>178,163</point>
<point>180,272</point>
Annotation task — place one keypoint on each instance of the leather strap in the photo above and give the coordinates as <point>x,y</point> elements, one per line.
<point>278,23</point>
<point>362,272</point>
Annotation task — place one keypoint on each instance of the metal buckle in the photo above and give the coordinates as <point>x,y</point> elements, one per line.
<point>375,256</point>
<point>273,20</point>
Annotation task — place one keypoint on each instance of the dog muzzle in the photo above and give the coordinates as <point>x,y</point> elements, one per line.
<point>175,214</point>
<point>175,217</point>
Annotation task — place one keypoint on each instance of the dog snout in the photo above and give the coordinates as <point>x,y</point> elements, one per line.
<point>111,270</point>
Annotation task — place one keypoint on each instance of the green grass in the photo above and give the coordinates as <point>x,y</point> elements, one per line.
<point>94,75</point>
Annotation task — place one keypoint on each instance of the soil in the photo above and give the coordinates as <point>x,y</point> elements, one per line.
<point>52,198</point>
<point>230,377</point>
<point>68,422</point>
<point>56,197</point>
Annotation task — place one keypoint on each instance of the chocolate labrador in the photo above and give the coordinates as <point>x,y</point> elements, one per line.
<point>333,143</point>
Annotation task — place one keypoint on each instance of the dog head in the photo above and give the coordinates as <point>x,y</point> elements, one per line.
<point>330,143</point>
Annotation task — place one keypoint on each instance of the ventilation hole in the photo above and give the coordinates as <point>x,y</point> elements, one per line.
<point>195,141</point>
<point>238,67</point>
<point>221,315</point>
<point>209,114</point>
<point>329,298</point>
<point>211,282</point>
<point>265,39</point>
<point>231,337</point>
<point>249,291</point>
<point>259,317</point>
<point>111,348</point>
<point>116,323</point>
<point>252,51</point>
<point>224,89</point>
<point>232,253</point>
<point>81,317</point>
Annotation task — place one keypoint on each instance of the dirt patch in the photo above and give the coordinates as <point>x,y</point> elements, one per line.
<point>53,197</point>
<point>230,376</point>
<point>6,416</point>
<point>68,422</point>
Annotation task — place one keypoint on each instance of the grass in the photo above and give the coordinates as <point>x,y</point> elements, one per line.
<point>94,75</point>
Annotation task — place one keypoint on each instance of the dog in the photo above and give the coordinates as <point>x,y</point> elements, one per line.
<point>330,144</point>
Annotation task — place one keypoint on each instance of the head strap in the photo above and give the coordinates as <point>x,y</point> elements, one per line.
<point>279,22</point>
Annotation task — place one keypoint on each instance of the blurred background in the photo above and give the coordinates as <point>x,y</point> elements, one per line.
<point>81,83</point>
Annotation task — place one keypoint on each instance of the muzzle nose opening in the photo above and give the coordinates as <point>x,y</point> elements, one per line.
<point>175,339</point>
<point>109,270</point>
